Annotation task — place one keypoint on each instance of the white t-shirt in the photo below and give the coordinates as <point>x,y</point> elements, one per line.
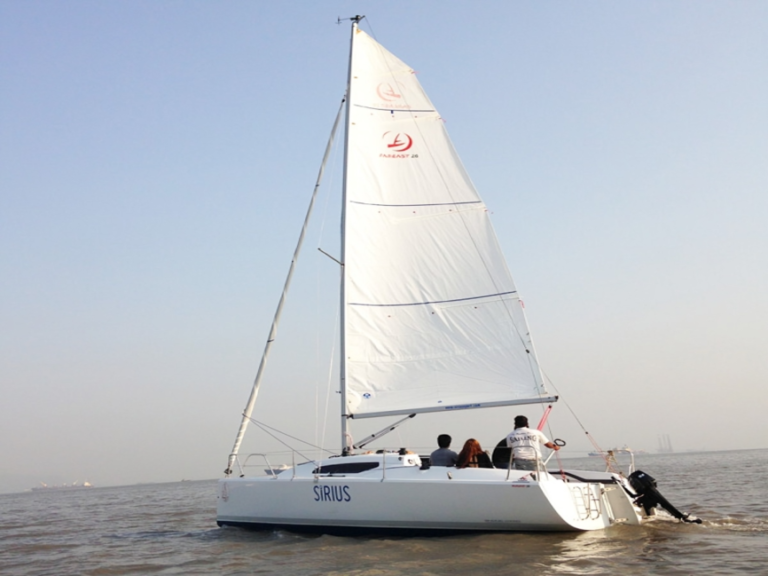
<point>526,443</point>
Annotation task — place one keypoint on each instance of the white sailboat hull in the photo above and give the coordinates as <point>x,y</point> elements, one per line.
<point>411,499</point>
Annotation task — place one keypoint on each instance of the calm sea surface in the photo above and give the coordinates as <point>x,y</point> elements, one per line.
<point>171,529</point>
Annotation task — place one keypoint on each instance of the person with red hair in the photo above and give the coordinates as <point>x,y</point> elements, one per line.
<point>473,456</point>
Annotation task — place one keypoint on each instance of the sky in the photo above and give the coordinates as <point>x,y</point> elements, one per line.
<point>156,160</point>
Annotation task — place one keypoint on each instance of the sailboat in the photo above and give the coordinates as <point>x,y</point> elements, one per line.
<point>431,321</point>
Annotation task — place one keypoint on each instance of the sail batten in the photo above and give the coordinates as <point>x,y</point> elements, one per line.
<point>477,202</point>
<point>397,110</point>
<point>426,303</point>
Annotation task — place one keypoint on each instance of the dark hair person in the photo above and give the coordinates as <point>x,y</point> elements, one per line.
<point>443,456</point>
<point>473,456</point>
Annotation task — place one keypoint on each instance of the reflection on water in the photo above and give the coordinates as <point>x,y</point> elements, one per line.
<point>170,529</point>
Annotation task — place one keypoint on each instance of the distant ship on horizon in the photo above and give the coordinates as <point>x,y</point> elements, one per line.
<point>73,486</point>
<point>665,444</point>
<point>625,449</point>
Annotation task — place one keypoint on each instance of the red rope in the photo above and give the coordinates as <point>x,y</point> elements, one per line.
<point>544,417</point>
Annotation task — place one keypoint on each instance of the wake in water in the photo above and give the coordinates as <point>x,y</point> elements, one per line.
<point>746,524</point>
<point>709,517</point>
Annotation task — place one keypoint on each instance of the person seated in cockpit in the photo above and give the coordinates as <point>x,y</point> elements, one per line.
<point>443,456</point>
<point>473,456</point>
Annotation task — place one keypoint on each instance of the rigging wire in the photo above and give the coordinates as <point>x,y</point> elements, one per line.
<point>266,428</point>
<point>334,159</point>
<point>591,438</point>
<point>324,427</point>
<point>278,313</point>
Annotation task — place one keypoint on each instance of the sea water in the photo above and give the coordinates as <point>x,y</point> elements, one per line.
<point>169,529</point>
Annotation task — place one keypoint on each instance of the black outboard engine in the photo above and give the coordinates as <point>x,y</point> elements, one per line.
<point>649,497</point>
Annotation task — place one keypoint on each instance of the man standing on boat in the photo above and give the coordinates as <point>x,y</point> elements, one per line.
<point>443,456</point>
<point>525,444</point>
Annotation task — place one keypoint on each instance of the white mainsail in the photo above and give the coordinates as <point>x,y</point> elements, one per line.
<point>432,320</point>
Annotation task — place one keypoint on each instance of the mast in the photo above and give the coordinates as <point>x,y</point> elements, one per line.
<point>346,445</point>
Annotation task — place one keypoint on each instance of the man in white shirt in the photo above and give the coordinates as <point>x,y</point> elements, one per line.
<point>525,444</point>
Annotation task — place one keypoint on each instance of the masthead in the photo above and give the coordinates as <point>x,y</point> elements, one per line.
<point>355,19</point>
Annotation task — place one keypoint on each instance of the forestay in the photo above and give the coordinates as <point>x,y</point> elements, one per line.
<point>433,320</point>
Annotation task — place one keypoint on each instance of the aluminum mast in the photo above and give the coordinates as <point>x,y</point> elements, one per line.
<point>346,444</point>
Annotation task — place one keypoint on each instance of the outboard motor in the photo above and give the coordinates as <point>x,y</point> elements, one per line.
<point>649,497</point>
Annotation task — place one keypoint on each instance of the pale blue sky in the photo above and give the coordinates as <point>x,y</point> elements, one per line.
<point>155,163</point>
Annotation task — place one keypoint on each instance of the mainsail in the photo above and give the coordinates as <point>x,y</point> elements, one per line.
<point>433,320</point>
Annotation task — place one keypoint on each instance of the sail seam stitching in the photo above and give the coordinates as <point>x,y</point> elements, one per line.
<point>416,205</point>
<point>393,110</point>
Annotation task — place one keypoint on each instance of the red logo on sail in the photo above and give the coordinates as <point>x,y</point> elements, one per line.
<point>399,143</point>
<point>387,92</point>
